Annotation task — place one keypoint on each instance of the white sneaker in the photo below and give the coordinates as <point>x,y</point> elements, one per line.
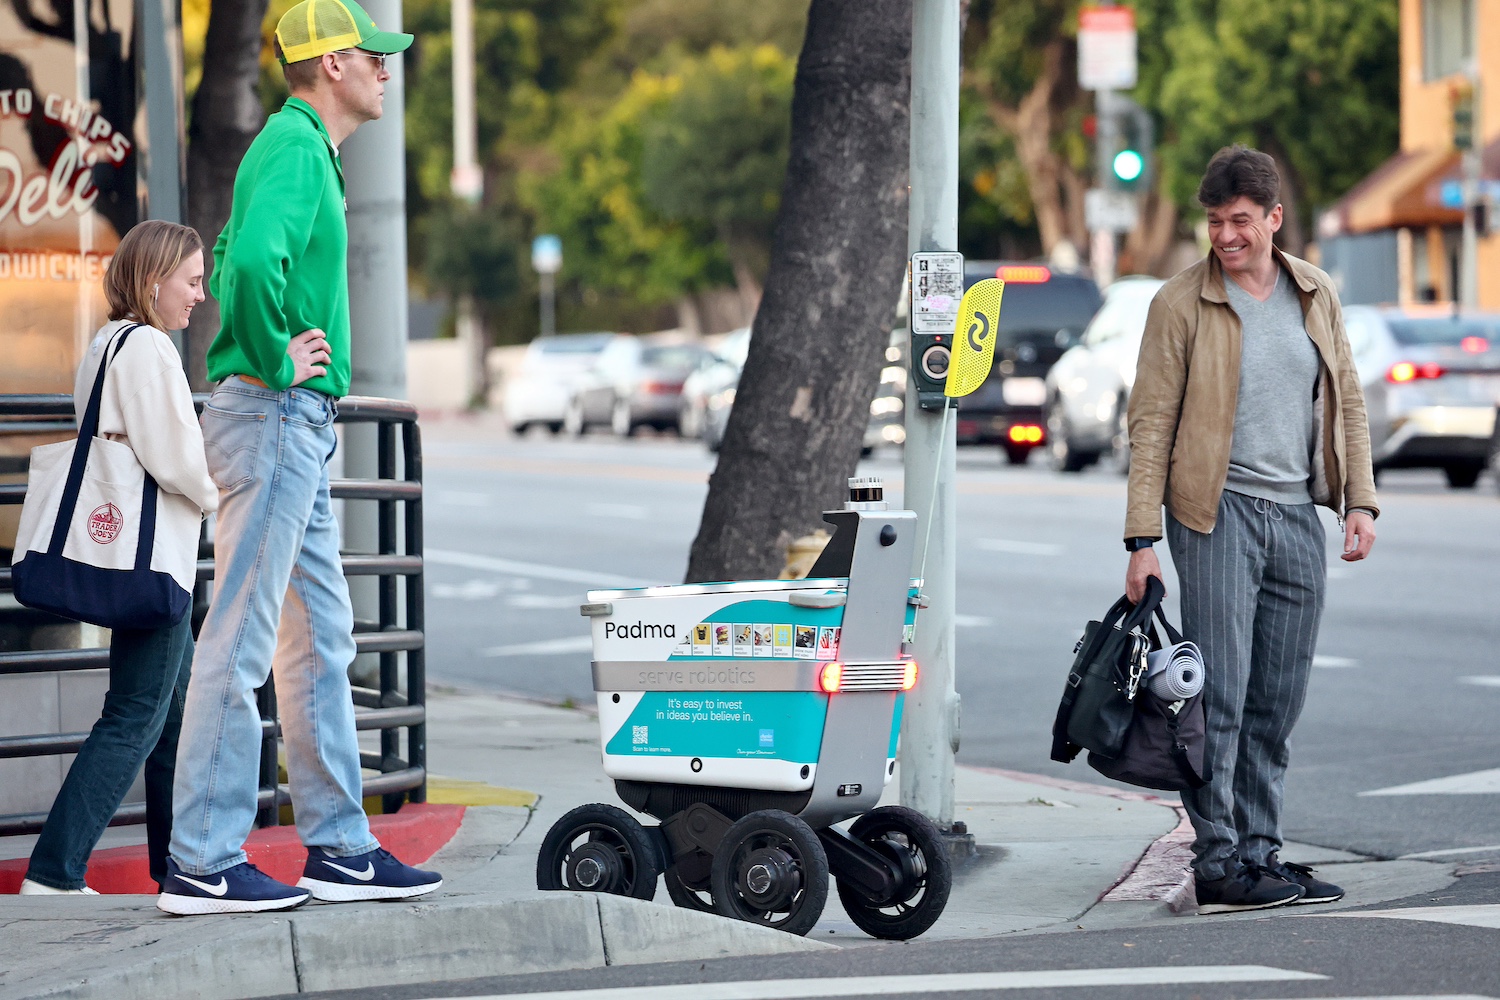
<point>30,888</point>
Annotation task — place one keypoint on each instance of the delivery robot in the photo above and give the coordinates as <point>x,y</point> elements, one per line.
<point>749,719</point>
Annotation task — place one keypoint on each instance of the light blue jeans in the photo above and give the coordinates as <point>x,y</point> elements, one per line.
<point>280,603</point>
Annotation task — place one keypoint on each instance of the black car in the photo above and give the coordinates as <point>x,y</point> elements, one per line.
<point>1042,314</point>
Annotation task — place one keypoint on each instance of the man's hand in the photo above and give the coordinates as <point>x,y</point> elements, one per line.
<point>1143,566</point>
<point>1359,535</point>
<point>309,352</point>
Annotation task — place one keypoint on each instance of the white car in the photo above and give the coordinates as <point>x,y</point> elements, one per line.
<point>544,384</point>
<point>1088,387</point>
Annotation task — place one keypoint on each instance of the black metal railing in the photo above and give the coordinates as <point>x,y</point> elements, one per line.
<point>396,633</point>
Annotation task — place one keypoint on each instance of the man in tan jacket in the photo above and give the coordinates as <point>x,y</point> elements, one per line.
<point>1247,413</point>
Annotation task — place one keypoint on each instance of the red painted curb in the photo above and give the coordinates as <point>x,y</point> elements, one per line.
<point>414,834</point>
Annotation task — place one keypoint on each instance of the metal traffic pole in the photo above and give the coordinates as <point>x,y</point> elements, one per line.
<point>929,740</point>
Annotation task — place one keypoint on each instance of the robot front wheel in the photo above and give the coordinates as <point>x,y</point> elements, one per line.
<point>771,869</point>
<point>912,845</point>
<point>599,848</point>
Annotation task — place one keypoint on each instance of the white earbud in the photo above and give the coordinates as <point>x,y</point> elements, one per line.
<point>155,291</point>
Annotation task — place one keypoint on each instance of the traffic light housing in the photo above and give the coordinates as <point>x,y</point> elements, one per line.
<point>1129,167</point>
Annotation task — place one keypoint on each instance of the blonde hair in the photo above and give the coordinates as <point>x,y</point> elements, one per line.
<point>147,255</point>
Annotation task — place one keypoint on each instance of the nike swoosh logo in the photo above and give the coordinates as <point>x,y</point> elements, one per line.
<point>212,890</point>
<point>363,876</point>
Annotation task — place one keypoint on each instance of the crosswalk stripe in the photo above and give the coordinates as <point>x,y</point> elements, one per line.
<point>1334,661</point>
<point>1473,783</point>
<point>1019,548</point>
<point>955,982</point>
<point>1452,850</point>
<point>1476,915</point>
<point>1482,680</point>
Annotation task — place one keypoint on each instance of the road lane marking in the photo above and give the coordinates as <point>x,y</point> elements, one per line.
<point>545,647</point>
<point>972,621</point>
<point>1490,681</point>
<point>1473,783</point>
<point>1443,854</point>
<point>1475,915</point>
<point>543,602</point>
<point>469,590</point>
<point>1019,548</point>
<point>535,571</point>
<point>951,982</point>
<point>1334,662</point>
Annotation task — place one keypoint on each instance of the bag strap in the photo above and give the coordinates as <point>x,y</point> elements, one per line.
<point>1173,636</point>
<point>87,430</point>
<point>1179,752</point>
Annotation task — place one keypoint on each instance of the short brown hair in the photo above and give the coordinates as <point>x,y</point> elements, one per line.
<point>145,257</point>
<point>1239,170</point>
<point>299,75</point>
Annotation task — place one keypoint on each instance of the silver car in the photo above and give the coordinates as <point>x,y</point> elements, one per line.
<point>1088,387</point>
<point>1431,377</point>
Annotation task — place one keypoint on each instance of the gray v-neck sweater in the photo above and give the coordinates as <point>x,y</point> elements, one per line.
<point>1271,456</point>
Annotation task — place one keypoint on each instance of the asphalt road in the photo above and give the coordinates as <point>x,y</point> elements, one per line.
<point>1406,690</point>
<point>1397,950</point>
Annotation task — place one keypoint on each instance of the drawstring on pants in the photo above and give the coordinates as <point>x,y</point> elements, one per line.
<point>1269,508</point>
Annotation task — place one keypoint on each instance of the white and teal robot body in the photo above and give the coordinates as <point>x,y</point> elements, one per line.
<point>750,718</point>
<point>729,685</point>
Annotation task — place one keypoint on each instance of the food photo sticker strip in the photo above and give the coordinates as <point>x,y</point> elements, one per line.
<point>765,640</point>
<point>783,644</point>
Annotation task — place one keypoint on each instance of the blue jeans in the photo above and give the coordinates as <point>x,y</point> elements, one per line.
<point>280,604</point>
<point>148,675</point>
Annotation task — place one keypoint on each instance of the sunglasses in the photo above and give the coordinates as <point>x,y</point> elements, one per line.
<point>378,57</point>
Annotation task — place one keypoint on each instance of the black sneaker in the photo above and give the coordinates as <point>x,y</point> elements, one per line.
<point>241,889</point>
<point>1315,890</point>
<point>1245,889</point>
<point>373,875</point>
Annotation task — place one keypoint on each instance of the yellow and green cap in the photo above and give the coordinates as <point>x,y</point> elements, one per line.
<point>316,27</point>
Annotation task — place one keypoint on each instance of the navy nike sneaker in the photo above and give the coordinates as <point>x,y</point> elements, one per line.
<point>241,889</point>
<point>372,875</point>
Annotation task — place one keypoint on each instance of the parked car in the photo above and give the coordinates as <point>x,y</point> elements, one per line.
<point>1089,386</point>
<point>1495,450</point>
<point>601,393</point>
<point>541,388</point>
<point>1431,378</point>
<point>888,409</point>
<point>655,398</point>
<point>718,370</point>
<point>1042,314</point>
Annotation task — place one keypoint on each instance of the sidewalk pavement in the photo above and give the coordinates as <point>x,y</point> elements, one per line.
<point>1052,855</point>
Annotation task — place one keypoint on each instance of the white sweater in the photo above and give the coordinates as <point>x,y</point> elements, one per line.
<point>147,404</point>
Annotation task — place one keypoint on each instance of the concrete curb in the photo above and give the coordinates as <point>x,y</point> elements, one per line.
<point>354,946</point>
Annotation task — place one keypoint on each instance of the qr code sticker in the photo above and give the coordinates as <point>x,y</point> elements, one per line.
<point>638,734</point>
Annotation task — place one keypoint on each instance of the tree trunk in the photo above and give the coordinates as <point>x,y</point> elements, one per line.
<point>1293,237</point>
<point>1056,189</point>
<point>227,114</point>
<point>1149,245</point>
<point>803,401</point>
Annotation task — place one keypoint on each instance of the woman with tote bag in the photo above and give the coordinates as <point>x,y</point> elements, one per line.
<point>152,284</point>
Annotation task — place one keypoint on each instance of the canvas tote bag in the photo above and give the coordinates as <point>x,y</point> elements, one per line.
<point>85,546</point>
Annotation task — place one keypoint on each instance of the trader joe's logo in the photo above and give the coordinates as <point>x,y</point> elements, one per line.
<point>67,185</point>
<point>105,523</point>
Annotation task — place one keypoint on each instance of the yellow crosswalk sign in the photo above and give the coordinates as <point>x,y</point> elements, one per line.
<point>974,337</point>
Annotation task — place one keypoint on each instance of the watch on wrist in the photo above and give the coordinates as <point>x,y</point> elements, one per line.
<point>1138,543</point>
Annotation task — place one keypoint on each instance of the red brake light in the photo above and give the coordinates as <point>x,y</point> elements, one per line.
<point>831,676</point>
<point>1406,371</point>
<point>909,679</point>
<point>1023,274</point>
<point>1474,345</point>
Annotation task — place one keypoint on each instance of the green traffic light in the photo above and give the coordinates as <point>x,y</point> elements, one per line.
<point>1128,165</point>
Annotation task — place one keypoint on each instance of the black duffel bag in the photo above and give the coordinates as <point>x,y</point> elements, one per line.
<point>1132,734</point>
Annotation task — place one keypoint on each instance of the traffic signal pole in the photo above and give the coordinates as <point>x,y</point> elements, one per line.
<point>929,739</point>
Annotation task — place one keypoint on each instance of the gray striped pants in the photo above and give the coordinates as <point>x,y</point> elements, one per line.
<point>1252,596</point>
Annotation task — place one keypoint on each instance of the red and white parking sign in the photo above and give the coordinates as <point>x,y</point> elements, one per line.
<point>1106,48</point>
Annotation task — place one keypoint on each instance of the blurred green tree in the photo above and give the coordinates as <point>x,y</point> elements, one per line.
<point>714,152</point>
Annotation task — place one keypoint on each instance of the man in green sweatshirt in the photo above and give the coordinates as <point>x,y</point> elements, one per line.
<point>280,599</point>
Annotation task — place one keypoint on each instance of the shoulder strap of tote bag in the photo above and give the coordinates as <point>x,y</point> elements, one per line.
<point>87,430</point>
